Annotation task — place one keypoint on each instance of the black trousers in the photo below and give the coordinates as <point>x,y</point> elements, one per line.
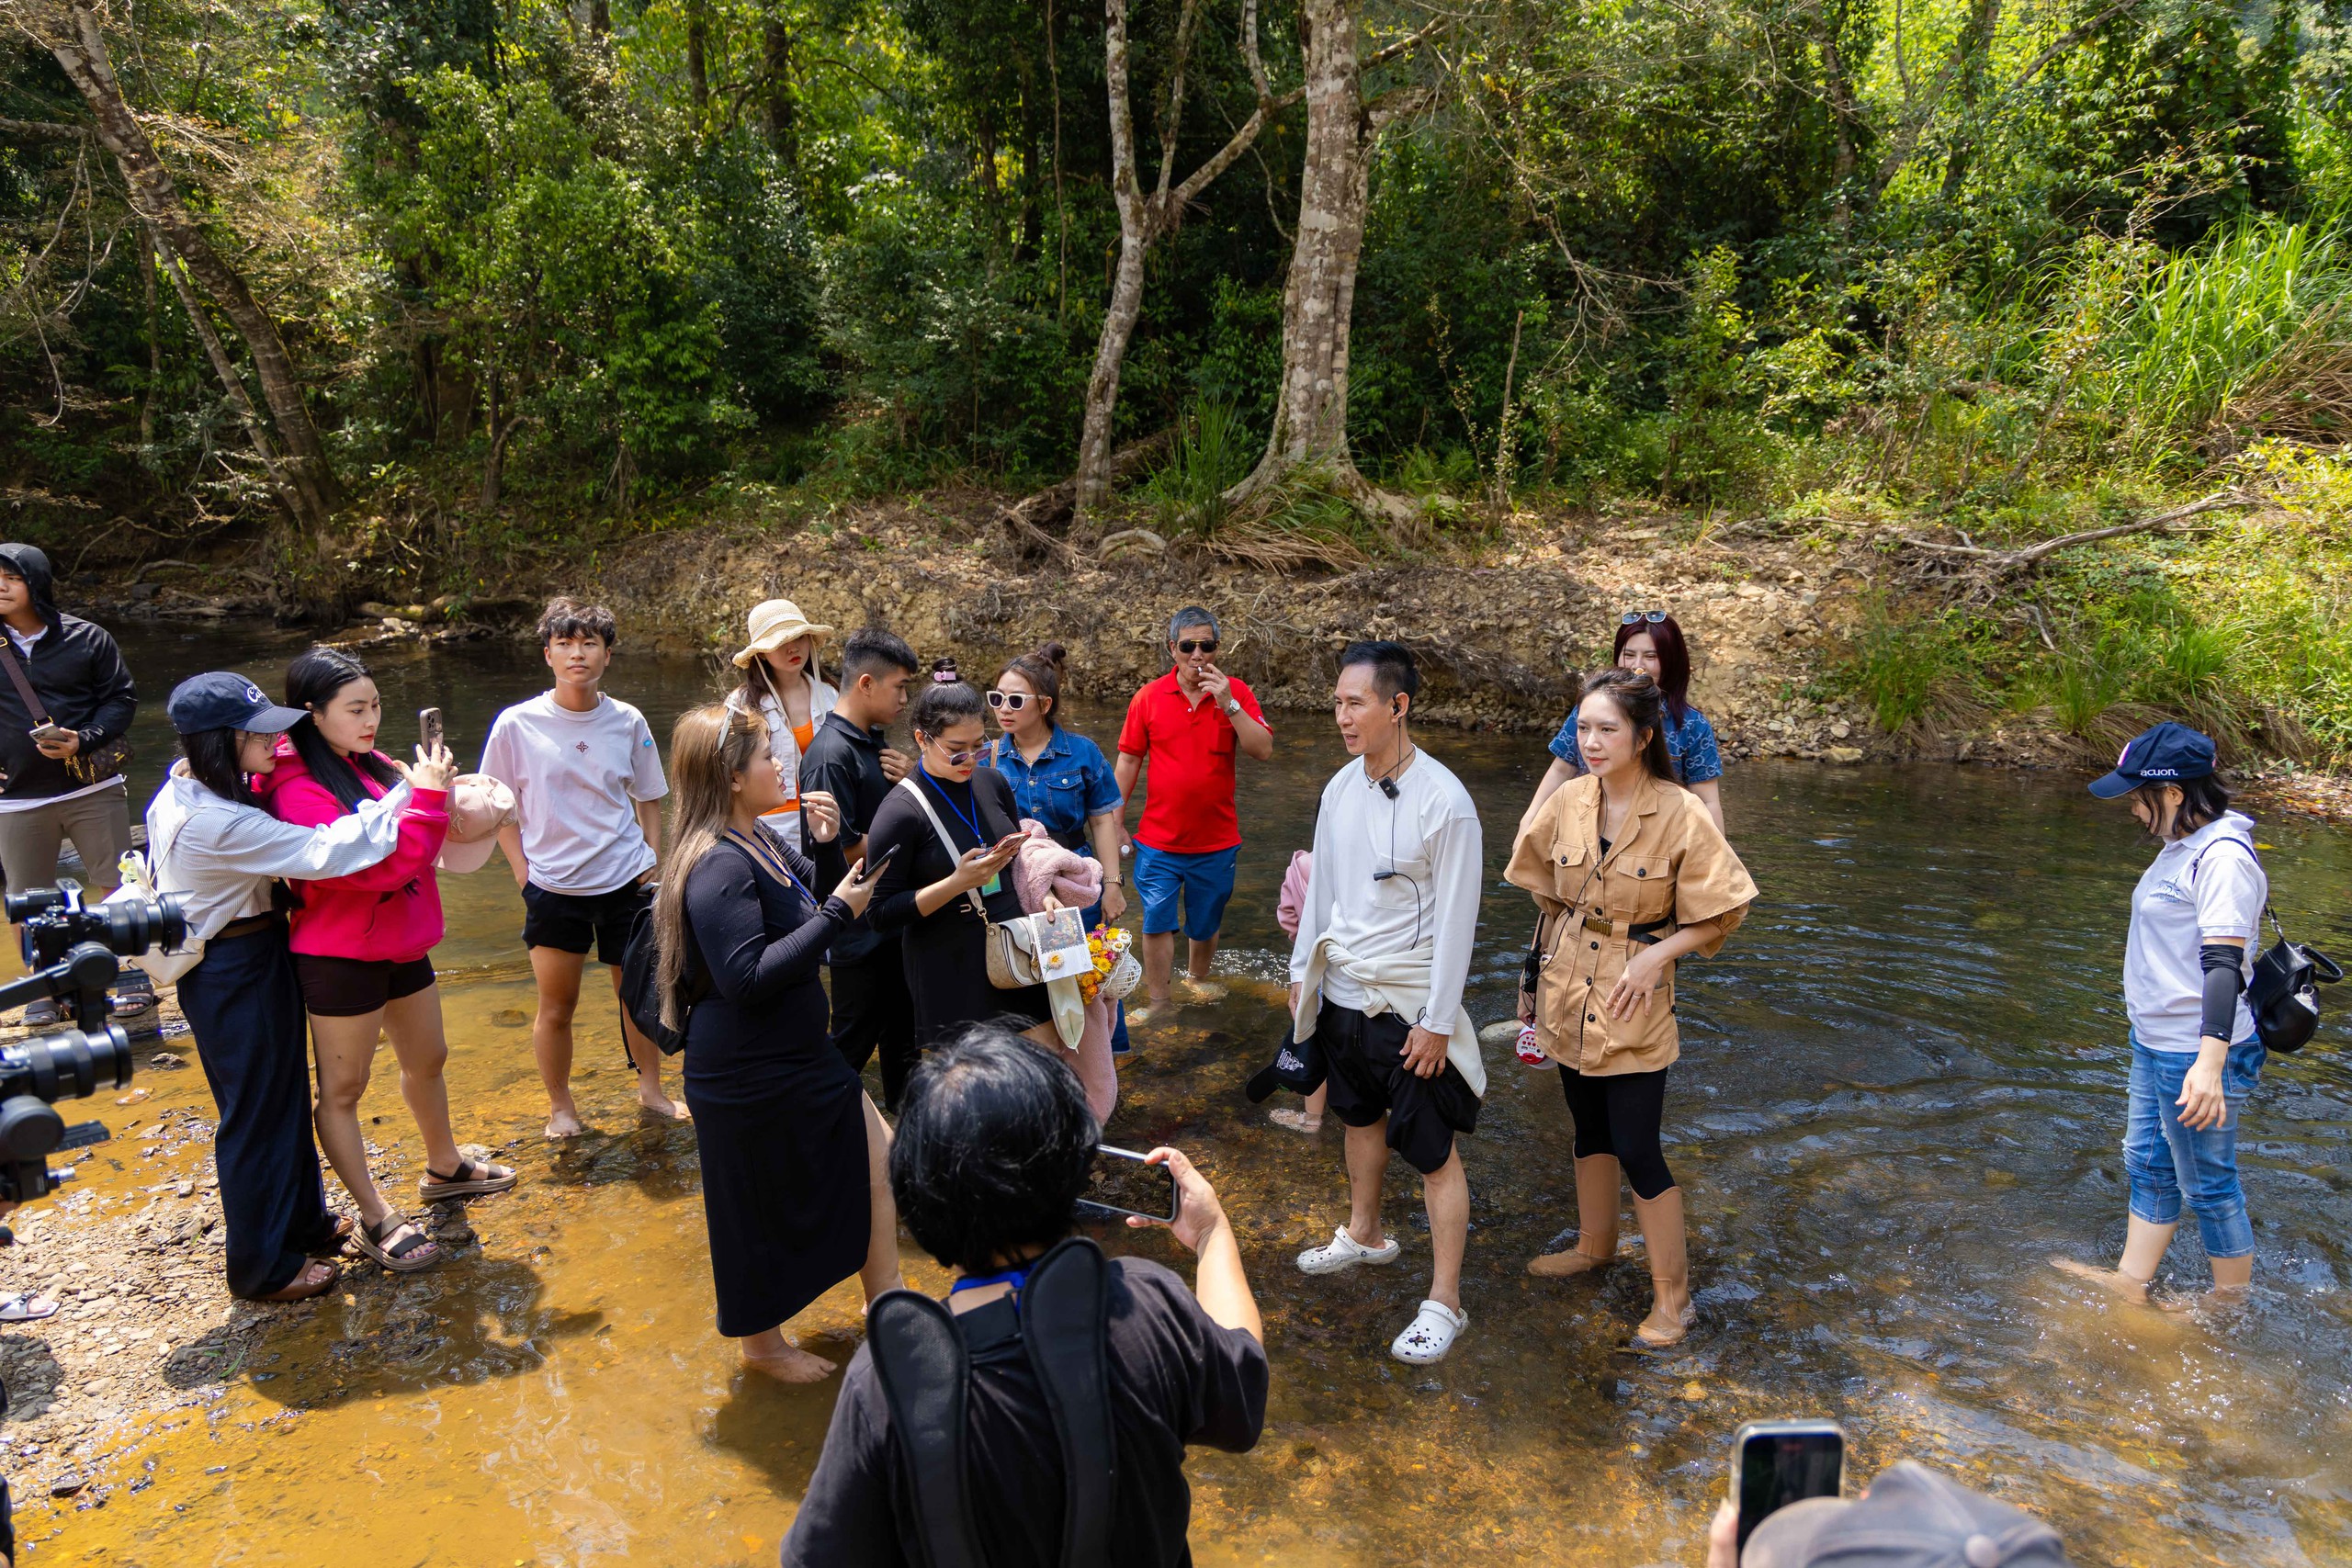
<point>244,1008</point>
<point>874,1010</point>
<point>1620,1114</point>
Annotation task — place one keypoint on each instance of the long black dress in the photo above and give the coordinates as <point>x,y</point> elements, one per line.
<point>945,952</point>
<point>778,1114</point>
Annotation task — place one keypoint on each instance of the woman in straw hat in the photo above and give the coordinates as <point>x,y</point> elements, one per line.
<point>781,684</point>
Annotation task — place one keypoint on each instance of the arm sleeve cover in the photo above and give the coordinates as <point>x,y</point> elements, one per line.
<point>2225,978</point>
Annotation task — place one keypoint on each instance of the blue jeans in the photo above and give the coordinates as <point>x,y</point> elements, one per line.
<point>1205,880</point>
<point>2167,1162</point>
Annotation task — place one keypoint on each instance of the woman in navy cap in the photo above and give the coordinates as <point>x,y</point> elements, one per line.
<point>221,853</point>
<point>2195,1055</point>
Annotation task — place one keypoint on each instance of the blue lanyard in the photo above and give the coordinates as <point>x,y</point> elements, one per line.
<point>774,862</point>
<point>1017,1278</point>
<point>972,821</point>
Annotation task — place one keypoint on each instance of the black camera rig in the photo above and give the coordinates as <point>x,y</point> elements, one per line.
<point>74,951</point>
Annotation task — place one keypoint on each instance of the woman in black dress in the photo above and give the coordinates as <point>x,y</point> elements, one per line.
<point>946,826</point>
<point>794,1159</point>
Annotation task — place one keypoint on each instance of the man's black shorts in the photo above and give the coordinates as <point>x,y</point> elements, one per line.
<point>1364,1061</point>
<point>575,922</point>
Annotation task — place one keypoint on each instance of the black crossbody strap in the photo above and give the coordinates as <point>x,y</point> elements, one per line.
<point>925,1371</point>
<point>1062,1311</point>
<point>17,677</point>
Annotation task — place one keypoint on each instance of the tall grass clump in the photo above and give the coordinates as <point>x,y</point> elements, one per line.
<point>2205,327</point>
<point>1907,670</point>
<point>1212,453</point>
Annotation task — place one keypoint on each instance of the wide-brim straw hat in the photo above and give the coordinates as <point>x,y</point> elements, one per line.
<point>773,624</point>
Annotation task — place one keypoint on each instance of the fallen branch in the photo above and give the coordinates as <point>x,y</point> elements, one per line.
<point>2012,560</point>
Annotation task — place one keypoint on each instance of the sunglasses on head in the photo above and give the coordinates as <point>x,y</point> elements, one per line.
<point>1011,702</point>
<point>1197,645</point>
<point>1636,617</point>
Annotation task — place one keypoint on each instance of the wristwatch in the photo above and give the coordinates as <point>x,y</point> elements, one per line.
<point>1232,707</point>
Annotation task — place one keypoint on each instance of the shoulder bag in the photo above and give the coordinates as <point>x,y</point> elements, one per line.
<point>1027,950</point>
<point>2283,994</point>
<point>88,765</point>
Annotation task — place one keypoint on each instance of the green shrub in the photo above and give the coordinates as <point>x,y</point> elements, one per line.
<point>1210,452</point>
<point>1907,670</point>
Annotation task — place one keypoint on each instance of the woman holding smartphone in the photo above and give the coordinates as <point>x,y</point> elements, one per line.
<point>794,1159</point>
<point>362,948</point>
<point>950,831</point>
<point>1629,873</point>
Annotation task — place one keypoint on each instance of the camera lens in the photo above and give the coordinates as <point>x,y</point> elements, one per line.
<point>135,926</point>
<point>68,1064</point>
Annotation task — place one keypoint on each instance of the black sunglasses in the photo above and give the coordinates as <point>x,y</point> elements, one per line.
<point>1199,645</point>
<point>1636,617</point>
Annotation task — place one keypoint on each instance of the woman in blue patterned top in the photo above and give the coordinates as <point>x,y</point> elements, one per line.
<point>1649,641</point>
<point>1058,778</point>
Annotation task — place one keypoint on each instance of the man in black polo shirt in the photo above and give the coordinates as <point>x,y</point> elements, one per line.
<point>847,759</point>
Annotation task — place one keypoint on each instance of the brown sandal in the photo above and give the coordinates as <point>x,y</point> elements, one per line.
<point>338,1236</point>
<point>318,1283</point>
<point>472,1178</point>
<point>400,1253</point>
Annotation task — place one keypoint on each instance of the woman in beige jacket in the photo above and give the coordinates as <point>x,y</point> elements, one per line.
<point>1629,873</point>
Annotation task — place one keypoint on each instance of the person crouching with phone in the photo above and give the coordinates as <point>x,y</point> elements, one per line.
<point>362,948</point>
<point>793,1185</point>
<point>946,840</point>
<point>992,1151</point>
<point>1629,873</point>
<point>212,845</point>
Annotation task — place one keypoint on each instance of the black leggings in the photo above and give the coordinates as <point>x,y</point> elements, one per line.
<point>1620,1114</point>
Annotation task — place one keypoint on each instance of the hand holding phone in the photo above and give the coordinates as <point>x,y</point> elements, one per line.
<point>876,868</point>
<point>428,729</point>
<point>1775,1463</point>
<point>1123,1184</point>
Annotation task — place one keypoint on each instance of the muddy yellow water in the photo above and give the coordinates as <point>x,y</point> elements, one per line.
<point>1901,1095</point>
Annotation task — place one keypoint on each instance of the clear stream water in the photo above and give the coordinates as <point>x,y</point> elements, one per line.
<point>1901,1094</point>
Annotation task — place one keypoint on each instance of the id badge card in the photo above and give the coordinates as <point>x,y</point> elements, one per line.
<point>993,886</point>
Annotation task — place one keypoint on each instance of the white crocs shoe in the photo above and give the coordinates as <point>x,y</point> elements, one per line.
<point>1345,1252</point>
<point>1431,1334</point>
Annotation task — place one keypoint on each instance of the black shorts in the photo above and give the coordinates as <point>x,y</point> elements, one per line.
<point>347,987</point>
<point>1363,1062</point>
<point>577,922</point>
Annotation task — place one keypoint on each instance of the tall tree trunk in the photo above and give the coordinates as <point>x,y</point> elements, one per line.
<point>154,337</point>
<point>1144,218</point>
<point>1311,403</point>
<point>697,69</point>
<point>599,19</point>
<point>779,114</point>
<point>232,387</point>
<point>1838,89</point>
<point>1973,48</point>
<point>156,199</point>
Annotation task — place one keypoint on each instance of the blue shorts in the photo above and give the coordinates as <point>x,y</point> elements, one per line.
<point>1205,880</point>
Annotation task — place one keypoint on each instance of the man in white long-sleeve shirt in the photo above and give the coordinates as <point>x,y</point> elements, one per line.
<point>1376,976</point>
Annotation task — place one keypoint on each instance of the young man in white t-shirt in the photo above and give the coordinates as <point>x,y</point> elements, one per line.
<point>588,787</point>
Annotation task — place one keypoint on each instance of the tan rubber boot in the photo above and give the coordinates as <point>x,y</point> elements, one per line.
<point>1663,1236</point>
<point>1598,1179</point>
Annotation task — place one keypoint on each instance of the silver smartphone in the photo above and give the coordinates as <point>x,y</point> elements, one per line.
<point>1121,1182</point>
<point>428,729</point>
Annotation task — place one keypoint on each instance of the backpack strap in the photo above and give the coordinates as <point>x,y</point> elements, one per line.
<point>925,1371</point>
<point>1063,1308</point>
<point>2268,913</point>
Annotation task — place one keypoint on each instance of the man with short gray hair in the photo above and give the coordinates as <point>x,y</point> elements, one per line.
<point>1186,727</point>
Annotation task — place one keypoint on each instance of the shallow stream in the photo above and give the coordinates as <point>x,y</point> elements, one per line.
<point>1901,1094</point>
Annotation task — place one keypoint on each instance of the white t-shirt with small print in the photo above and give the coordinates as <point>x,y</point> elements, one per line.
<point>577,778</point>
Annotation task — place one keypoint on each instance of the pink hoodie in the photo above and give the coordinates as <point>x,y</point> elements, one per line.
<point>392,911</point>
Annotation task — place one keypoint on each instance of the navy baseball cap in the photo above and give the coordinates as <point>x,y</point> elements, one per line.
<point>2163,753</point>
<point>226,701</point>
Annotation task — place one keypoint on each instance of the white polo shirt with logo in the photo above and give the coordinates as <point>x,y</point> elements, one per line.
<point>2198,890</point>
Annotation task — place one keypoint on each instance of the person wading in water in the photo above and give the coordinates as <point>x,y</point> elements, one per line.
<point>1629,873</point>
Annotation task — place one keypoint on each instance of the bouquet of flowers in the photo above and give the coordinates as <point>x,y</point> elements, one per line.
<point>1115,972</point>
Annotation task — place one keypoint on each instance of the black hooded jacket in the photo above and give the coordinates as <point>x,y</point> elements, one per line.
<point>79,675</point>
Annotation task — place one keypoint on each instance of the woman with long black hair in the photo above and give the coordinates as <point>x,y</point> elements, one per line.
<point>795,1186</point>
<point>211,844</point>
<point>951,828</point>
<point>1629,873</point>
<point>362,946</point>
<point>1650,642</point>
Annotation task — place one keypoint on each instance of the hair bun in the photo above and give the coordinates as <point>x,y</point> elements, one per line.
<point>1054,654</point>
<point>942,671</point>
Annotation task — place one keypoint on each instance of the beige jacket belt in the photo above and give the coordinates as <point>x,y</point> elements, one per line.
<point>1669,863</point>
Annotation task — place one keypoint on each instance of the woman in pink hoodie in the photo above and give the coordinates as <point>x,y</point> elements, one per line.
<point>361,947</point>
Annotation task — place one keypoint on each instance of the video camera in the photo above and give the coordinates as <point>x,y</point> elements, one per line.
<point>74,951</point>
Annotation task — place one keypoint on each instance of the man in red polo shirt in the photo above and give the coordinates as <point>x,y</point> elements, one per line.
<point>1185,726</point>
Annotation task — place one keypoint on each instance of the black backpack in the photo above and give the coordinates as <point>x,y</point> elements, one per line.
<point>641,983</point>
<point>2283,994</point>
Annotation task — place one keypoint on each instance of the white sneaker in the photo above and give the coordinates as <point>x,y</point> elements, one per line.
<point>1345,1252</point>
<point>1431,1334</point>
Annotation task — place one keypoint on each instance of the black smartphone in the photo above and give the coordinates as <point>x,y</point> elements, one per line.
<point>880,866</point>
<point>428,729</point>
<point>1120,1183</point>
<point>1775,1463</point>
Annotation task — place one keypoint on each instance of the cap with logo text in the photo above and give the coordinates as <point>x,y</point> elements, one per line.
<point>2161,754</point>
<point>226,701</point>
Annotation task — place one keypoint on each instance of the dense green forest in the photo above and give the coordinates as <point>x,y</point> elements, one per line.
<point>416,289</point>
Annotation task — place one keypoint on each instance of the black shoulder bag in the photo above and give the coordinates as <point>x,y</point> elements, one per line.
<point>2283,994</point>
